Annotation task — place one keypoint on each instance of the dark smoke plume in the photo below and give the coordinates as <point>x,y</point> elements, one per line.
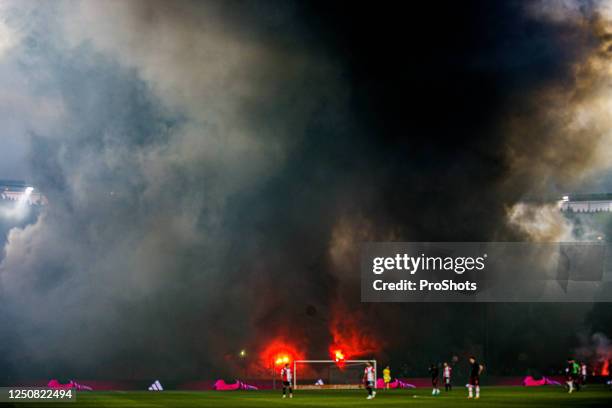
<point>211,168</point>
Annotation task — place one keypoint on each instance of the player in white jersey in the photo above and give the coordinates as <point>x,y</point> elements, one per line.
<point>287,377</point>
<point>584,372</point>
<point>447,371</point>
<point>368,380</point>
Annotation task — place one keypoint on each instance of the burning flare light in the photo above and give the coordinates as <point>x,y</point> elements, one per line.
<point>605,368</point>
<point>282,359</point>
<point>278,353</point>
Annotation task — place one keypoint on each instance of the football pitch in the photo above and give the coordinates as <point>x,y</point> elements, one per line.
<point>594,396</point>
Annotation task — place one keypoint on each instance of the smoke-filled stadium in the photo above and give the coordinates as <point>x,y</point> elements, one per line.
<point>227,203</point>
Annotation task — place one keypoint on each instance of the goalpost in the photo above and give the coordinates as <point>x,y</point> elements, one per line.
<point>329,374</point>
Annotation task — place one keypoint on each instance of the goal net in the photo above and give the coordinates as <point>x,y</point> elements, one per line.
<point>329,374</point>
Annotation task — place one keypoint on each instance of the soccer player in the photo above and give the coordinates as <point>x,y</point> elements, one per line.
<point>568,376</point>
<point>474,382</point>
<point>576,375</point>
<point>287,377</point>
<point>435,374</point>
<point>368,380</point>
<point>583,373</point>
<point>387,376</point>
<point>573,375</point>
<point>447,370</point>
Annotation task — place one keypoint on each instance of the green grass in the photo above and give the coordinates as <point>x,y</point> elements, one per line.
<point>515,397</point>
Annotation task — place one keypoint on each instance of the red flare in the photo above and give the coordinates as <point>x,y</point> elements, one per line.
<point>605,368</point>
<point>350,337</point>
<point>280,352</point>
<point>338,356</point>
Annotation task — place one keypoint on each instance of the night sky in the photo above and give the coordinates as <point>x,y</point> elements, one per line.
<point>211,168</point>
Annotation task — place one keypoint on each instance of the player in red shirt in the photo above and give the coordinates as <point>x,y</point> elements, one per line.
<point>287,377</point>
<point>447,371</point>
<point>368,380</point>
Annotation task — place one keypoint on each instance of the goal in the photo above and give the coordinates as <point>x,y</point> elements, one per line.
<point>329,374</point>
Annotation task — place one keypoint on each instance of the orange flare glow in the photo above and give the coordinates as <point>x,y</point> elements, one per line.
<point>350,337</point>
<point>605,368</point>
<point>279,352</point>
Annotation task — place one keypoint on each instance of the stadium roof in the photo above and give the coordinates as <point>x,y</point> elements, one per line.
<point>590,197</point>
<point>13,183</point>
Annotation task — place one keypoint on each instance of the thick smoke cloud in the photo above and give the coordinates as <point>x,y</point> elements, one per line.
<point>211,168</point>
<point>169,114</point>
<point>595,350</point>
<point>559,139</point>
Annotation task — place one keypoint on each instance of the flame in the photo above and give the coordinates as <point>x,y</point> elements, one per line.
<point>282,359</point>
<point>279,352</point>
<point>338,356</point>
<point>605,368</point>
<point>350,338</point>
